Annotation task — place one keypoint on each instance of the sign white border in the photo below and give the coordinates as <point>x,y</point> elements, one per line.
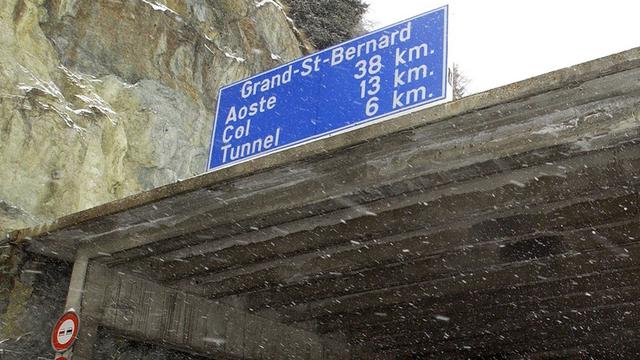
<point>68,315</point>
<point>350,127</point>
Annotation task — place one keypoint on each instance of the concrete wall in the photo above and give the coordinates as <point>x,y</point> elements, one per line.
<point>33,288</point>
<point>111,346</point>
<point>144,310</point>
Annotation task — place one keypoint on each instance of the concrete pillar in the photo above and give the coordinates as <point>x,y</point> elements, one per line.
<point>83,346</point>
<point>92,311</point>
<point>76,285</point>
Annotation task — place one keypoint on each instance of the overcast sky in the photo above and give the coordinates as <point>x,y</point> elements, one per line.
<point>497,42</point>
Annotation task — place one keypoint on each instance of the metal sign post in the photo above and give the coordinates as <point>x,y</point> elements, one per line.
<point>394,69</point>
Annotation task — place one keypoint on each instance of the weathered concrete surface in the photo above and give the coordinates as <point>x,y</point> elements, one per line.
<point>502,123</point>
<point>114,347</point>
<point>474,110</point>
<point>145,310</point>
<point>505,224</point>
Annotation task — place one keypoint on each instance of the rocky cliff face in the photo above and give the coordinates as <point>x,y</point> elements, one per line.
<point>100,99</point>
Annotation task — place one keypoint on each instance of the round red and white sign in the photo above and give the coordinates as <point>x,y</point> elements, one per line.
<point>65,332</point>
<point>60,357</point>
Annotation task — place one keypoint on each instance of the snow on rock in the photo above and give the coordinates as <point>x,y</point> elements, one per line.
<point>265,2</point>
<point>97,103</point>
<point>46,87</point>
<point>159,7</point>
<point>276,57</point>
<point>234,57</point>
<point>50,97</point>
<point>209,49</point>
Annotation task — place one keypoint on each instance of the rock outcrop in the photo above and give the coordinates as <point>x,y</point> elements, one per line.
<point>100,99</point>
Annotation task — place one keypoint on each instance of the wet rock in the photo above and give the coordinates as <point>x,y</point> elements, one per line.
<point>32,293</point>
<point>103,99</point>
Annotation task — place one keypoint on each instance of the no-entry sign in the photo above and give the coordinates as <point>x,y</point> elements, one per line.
<point>65,332</point>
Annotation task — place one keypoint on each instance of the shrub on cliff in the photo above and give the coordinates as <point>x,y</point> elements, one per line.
<point>327,22</point>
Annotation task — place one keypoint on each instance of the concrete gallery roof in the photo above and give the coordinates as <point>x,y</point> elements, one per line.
<point>465,219</point>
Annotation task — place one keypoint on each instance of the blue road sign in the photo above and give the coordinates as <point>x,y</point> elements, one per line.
<point>391,70</point>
